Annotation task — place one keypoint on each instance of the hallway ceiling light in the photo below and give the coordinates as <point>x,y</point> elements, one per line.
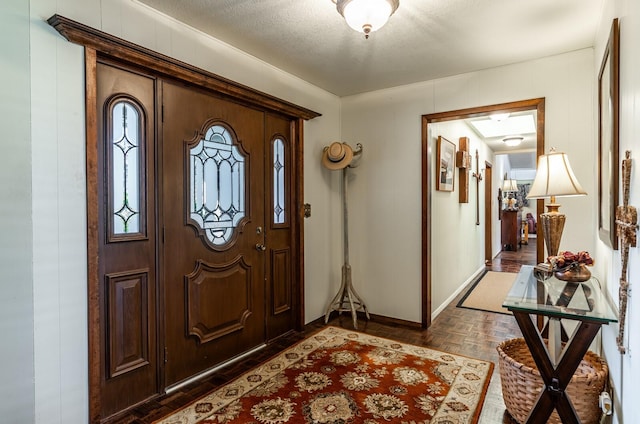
<point>513,141</point>
<point>366,16</point>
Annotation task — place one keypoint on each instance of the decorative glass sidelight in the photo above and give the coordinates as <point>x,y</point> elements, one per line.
<point>217,185</point>
<point>278,181</point>
<point>125,167</point>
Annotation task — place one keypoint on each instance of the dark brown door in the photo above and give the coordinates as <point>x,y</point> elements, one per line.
<point>126,238</point>
<point>281,292</point>
<point>212,208</point>
<point>488,217</point>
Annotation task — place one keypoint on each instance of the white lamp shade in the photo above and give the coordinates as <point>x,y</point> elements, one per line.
<point>509,186</point>
<point>367,14</point>
<point>554,177</point>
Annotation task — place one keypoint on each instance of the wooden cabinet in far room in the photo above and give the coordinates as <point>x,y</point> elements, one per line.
<point>511,225</point>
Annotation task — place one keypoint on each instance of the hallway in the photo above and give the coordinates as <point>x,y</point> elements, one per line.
<point>511,261</point>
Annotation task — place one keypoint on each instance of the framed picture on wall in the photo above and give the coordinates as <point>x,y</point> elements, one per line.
<point>608,160</point>
<point>446,161</point>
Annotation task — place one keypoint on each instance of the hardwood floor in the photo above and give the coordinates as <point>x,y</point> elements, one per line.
<point>510,261</point>
<point>456,330</point>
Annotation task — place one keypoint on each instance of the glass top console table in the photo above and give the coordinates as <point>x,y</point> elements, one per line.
<point>549,297</point>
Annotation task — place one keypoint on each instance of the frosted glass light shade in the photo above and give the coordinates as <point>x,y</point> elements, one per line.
<point>366,16</point>
<point>513,141</point>
<point>554,177</point>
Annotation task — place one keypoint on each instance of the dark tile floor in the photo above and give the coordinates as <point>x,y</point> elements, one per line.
<point>456,330</point>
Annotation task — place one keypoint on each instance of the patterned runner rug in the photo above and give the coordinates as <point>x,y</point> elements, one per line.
<point>342,376</point>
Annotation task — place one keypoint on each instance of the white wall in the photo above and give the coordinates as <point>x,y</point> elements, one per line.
<point>47,361</point>
<point>623,369</point>
<point>16,241</point>
<point>388,208</point>
<point>455,235</point>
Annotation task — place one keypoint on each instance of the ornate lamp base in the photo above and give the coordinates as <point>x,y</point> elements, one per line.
<point>552,226</point>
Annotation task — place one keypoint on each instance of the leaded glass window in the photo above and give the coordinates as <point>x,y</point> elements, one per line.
<point>125,168</point>
<point>278,182</point>
<point>217,184</point>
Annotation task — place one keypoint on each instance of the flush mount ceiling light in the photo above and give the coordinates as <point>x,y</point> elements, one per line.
<point>513,141</point>
<point>366,16</point>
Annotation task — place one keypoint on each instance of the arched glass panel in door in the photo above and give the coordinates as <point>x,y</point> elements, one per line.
<point>217,185</point>
<point>125,152</point>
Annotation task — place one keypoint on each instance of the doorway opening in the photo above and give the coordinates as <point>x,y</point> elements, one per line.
<point>428,183</point>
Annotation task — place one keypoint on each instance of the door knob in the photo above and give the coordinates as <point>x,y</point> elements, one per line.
<point>261,247</point>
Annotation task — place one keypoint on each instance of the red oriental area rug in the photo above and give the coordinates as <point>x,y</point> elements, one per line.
<point>342,376</point>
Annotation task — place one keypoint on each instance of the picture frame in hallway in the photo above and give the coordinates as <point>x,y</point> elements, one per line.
<point>608,133</point>
<point>446,161</point>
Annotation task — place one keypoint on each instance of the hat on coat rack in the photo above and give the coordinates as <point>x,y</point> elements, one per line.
<point>337,156</point>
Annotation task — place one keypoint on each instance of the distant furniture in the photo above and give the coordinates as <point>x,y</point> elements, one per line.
<point>531,223</point>
<point>511,225</point>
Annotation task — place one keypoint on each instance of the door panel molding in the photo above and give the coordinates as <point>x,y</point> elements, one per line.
<point>280,280</point>
<point>128,347</point>
<point>219,299</point>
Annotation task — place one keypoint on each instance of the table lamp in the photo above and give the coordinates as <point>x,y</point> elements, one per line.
<point>510,186</point>
<point>554,178</point>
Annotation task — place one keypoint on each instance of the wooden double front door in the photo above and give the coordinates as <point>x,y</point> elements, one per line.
<point>196,245</point>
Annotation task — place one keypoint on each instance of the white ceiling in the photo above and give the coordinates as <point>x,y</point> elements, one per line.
<point>523,160</point>
<point>529,139</point>
<point>423,40</point>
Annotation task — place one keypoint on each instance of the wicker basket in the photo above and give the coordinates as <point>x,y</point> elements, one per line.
<point>521,383</point>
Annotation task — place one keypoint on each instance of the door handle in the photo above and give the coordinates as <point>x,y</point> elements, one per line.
<point>261,247</point>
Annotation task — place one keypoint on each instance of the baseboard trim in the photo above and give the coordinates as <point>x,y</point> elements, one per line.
<point>376,318</point>
<point>459,290</point>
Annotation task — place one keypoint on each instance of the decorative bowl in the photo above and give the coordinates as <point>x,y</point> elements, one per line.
<point>574,273</point>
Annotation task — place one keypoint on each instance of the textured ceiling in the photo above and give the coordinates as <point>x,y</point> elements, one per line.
<point>423,40</point>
